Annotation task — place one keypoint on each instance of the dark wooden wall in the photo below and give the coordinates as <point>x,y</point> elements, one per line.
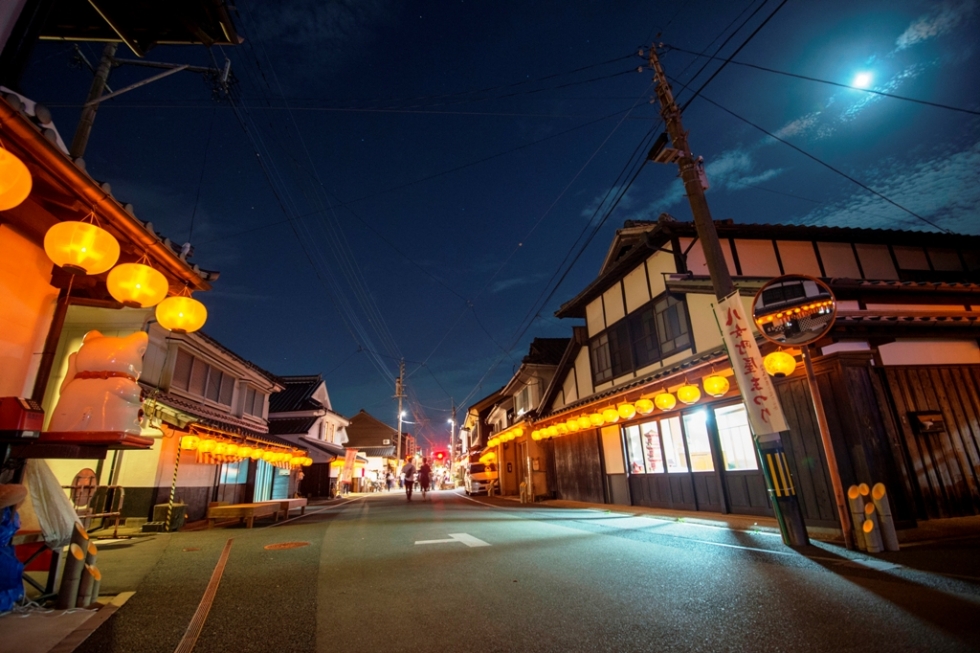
<point>862,428</point>
<point>578,467</point>
<point>944,463</point>
<point>316,481</point>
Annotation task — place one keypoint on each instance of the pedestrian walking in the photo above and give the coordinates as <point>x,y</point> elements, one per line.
<point>408,473</point>
<point>425,475</point>
<point>389,480</point>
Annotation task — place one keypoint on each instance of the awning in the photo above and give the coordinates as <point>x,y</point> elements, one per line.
<point>326,447</point>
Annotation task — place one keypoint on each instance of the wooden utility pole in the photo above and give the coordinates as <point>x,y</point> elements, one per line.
<point>786,507</point>
<point>452,435</point>
<point>400,394</point>
<point>80,141</point>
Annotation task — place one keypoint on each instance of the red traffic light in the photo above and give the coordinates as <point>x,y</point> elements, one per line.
<point>440,456</point>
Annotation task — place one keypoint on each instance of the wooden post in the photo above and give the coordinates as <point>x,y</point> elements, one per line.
<point>857,514</point>
<point>872,529</point>
<point>85,586</point>
<point>888,535</point>
<point>70,578</point>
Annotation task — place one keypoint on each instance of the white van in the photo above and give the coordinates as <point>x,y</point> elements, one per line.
<point>478,477</point>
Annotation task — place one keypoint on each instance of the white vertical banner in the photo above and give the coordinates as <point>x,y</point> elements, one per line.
<point>758,393</point>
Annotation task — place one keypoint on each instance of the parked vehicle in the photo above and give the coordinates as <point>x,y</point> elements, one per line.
<point>478,477</point>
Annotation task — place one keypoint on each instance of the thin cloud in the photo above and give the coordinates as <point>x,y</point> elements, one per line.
<point>514,282</point>
<point>939,21</point>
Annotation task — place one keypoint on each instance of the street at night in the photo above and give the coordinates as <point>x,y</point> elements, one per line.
<point>388,575</point>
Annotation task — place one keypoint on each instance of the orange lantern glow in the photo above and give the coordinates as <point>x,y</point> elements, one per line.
<point>220,449</point>
<point>584,422</point>
<point>552,431</point>
<point>268,456</point>
<point>256,454</point>
<point>518,432</point>
<point>15,181</point>
<point>189,442</point>
<point>244,451</point>
<point>596,419</point>
<point>626,411</point>
<point>562,428</point>
<point>665,401</point>
<point>779,364</point>
<point>232,450</point>
<point>137,285</point>
<point>535,435</point>
<point>572,425</point>
<point>610,416</point>
<point>181,314</point>
<point>689,394</point>
<point>81,247</point>
<point>714,385</point>
<point>644,406</point>
<point>307,461</point>
<point>206,446</point>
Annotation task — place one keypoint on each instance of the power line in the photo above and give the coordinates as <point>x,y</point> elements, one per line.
<point>737,50</point>
<point>831,83</point>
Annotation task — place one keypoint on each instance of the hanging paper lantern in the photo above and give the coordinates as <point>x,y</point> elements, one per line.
<point>307,461</point>
<point>644,406</point>
<point>189,442</point>
<point>81,247</point>
<point>714,385</point>
<point>181,314</point>
<point>206,446</point>
<point>220,449</point>
<point>518,432</point>
<point>15,181</point>
<point>665,401</point>
<point>779,364</point>
<point>552,431</point>
<point>584,422</point>
<point>572,425</point>
<point>626,411</point>
<point>244,451</point>
<point>596,419</point>
<point>232,450</point>
<point>689,394</point>
<point>535,435</point>
<point>137,285</point>
<point>256,454</point>
<point>562,428</point>
<point>610,416</point>
<point>268,456</point>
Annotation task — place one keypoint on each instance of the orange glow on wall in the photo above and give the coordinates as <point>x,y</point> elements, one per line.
<point>15,181</point>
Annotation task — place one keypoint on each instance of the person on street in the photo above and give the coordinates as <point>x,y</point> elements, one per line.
<point>408,473</point>
<point>425,475</point>
<point>389,480</point>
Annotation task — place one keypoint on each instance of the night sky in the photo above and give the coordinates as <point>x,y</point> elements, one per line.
<point>426,168</point>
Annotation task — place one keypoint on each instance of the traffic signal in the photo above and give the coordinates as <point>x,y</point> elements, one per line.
<point>440,456</point>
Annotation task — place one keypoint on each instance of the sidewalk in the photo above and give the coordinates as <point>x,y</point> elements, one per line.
<point>937,530</point>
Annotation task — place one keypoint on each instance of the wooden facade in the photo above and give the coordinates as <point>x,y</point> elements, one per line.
<point>938,424</point>
<point>578,468</point>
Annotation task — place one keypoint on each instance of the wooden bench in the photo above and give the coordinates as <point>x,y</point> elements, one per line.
<point>285,505</point>
<point>247,512</point>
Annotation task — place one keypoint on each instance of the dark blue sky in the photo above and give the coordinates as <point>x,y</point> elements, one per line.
<point>437,161</point>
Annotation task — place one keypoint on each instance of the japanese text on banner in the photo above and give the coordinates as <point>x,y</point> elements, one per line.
<point>758,393</point>
<point>348,471</point>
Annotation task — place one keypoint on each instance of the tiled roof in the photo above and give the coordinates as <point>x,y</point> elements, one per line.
<point>365,430</point>
<point>297,394</point>
<point>292,426</point>
<point>546,351</point>
<point>247,363</point>
<point>386,452</point>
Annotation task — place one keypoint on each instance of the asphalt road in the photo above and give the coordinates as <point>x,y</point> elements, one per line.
<point>455,574</point>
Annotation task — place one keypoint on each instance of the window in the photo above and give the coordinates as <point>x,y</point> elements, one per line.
<point>651,447</point>
<point>182,370</point>
<point>199,377</point>
<point>523,400</point>
<point>647,335</point>
<point>227,389</point>
<point>258,404</point>
<point>248,400</point>
<point>672,325</point>
<point>214,384</point>
<point>698,442</point>
<point>634,450</point>
<point>670,431</point>
<point>737,448</point>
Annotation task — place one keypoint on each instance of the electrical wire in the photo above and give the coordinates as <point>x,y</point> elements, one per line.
<point>831,83</point>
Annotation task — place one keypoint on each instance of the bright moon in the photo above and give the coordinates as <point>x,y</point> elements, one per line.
<point>862,80</point>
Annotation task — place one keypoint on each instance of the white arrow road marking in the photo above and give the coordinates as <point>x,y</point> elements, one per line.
<point>465,538</point>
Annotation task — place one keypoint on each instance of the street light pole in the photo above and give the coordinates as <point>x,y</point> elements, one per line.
<point>786,508</point>
<point>399,393</point>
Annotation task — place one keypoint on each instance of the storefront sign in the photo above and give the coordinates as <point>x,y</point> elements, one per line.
<point>765,413</point>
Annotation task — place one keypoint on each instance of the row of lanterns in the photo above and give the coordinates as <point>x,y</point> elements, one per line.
<point>83,247</point>
<point>778,364</point>
<point>219,448</point>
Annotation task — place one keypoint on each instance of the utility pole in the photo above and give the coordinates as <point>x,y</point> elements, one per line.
<point>400,394</point>
<point>787,508</point>
<point>452,436</point>
<point>80,141</point>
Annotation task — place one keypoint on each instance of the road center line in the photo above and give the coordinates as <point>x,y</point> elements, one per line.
<point>464,538</point>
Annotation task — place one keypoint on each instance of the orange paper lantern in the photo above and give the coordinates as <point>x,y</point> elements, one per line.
<point>665,401</point>
<point>15,181</point>
<point>689,394</point>
<point>644,406</point>
<point>779,364</point>
<point>137,285</point>
<point>716,386</point>
<point>181,314</point>
<point>81,247</point>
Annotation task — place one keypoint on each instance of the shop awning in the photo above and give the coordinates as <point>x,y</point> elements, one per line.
<point>326,447</point>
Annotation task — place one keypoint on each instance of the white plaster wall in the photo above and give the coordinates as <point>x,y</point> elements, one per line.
<point>876,262</point>
<point>757,258</point>
<point>695,258</point>
<point>657,265</point>
<point>798,257</point>
<point>637,290</point>
<point>612,449</point>
<point>838,260</point>
<point>703,324</point>
<point>27,304</point>
<point>930,352</point>
<point>612,299</point>
<point>569,389</point>
<point>594,319</point>
<point>583,373</point>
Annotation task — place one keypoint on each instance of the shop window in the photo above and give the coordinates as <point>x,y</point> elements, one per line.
<point>651,447</point>
<point>634,449</point>
<point>670,431</point>
<point>737,448</point>
<point>698,442</point>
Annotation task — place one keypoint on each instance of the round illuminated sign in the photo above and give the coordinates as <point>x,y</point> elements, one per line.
<point>794,310</point>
